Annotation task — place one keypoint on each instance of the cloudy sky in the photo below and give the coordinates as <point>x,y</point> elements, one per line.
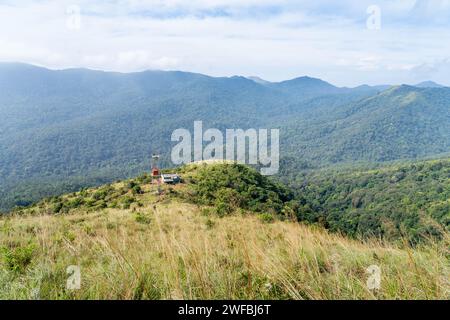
<point>344,42</point>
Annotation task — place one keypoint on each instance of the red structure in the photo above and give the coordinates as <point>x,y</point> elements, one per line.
<point>155,172</point>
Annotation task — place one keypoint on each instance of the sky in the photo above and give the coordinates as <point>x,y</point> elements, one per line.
<point>347,43</point>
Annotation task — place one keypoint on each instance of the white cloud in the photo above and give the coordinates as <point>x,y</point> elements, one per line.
<point>273,39</point>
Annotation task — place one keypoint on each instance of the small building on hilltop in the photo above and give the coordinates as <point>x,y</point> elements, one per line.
<point>170,178</point>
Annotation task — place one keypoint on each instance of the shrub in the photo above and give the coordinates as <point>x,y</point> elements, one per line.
<point>142,218</point>
<point>136,190</point>
<point>131,184</point>
<point>127,201</point>
<point>76,203</point>
<point>90,202</point>
<point>17,259</point>
<point>57,207</point>
<point>223,208</point>
<point>101,204</point>
<point>102,193</point>
<point>266,217</point>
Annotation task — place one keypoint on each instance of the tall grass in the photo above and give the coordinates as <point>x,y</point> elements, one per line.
<point>170,250</point>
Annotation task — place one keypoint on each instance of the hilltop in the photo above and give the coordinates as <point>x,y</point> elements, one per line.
<point>429,84</point>
<point>224,232</point>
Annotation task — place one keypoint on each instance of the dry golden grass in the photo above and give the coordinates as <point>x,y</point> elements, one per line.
<point>174,250</point>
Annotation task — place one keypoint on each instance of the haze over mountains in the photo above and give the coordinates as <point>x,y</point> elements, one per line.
<point>61,130</point>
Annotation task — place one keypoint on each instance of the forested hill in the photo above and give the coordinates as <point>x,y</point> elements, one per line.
<point>403,200</point>
<point>64,129</point>
<point>402,122</point>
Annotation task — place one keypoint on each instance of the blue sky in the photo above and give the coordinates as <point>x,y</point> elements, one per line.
<point>275,40</point>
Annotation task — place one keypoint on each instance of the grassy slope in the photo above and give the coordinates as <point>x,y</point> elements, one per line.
<point>165,248</point>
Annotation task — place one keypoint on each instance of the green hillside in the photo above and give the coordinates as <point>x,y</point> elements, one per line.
<point>396,203</point>
<point>225,232</point>
<point>400,123</point>
<point>399,201</point>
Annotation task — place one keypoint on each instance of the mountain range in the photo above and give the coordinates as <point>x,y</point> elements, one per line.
<point>62,130</point>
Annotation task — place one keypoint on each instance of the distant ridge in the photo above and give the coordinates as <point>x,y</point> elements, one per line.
<point>428,84</point>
